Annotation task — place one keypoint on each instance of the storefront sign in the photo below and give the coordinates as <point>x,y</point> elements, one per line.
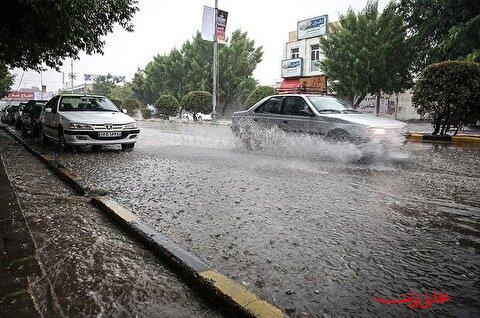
<point>19,96</point>
<point>312,28</point>
<point>292,68</point>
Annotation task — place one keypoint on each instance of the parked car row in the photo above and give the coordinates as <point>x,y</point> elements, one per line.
<point>74,120</point>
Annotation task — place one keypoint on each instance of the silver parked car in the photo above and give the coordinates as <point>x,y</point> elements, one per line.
<point>79,120</point>
<point>324,115</point>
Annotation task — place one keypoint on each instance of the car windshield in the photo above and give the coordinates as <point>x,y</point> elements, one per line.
<point>86,103</point>
<point>329,104</point>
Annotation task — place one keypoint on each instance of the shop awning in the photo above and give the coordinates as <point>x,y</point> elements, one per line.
<point>290,85</point>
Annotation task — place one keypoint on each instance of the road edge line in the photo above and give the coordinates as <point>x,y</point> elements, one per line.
<point>239,298</point>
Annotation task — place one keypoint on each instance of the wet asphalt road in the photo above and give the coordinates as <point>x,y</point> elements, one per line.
<point>93,268</point>
<point>300,223</point>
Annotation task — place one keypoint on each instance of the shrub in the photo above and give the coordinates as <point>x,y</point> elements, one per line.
<point>167,105</point>
<point>450,93</point>
<point>117,102</point>
<point>197,102</point>
<point>146,113</point>
<point>259,93</point>
<point>131,105</point>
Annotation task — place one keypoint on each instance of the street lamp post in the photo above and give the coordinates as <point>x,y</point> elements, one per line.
<point>215,67</point>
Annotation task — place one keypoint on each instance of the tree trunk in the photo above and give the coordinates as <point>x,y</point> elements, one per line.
<point>357,102</point>
<point>377,104</point>
<point>436,125</point>
<point>456,130</point>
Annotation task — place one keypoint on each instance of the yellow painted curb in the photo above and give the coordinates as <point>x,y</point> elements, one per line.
<point>415,137</point>
<point>466,140</point>
<point>117,209</point>
<point>247,300</point>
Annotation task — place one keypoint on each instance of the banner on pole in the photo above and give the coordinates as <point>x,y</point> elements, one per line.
<point>209,26</point>
<point>221,26</point>
<point>207,23</point>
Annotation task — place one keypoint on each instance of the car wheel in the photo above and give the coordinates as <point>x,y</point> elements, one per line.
<point>44,139</point>
<point>127,146</point>
<point>24,130</point>
<point>62,142</point>
<point>339,136</point>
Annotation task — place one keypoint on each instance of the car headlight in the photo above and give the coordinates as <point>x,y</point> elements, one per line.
<point>79,126</point>
<point>378,131</point>
<point>131,125</point>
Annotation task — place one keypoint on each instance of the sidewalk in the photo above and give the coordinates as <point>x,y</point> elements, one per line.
<point>91,266</point>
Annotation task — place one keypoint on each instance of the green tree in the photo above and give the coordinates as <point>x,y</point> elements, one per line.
<point>103,85</point>
<point>259,93</point>
<point>131,105</point>
<point>167,105</point>
<point>46,32</point>
<point>450,93</point>
<point>442,29</point>
<point>146,112</point>
<point>368,53</point>
<point>190,68</point>
<point>121,92</point>
<point>197,102</point>
<point>6,80</point>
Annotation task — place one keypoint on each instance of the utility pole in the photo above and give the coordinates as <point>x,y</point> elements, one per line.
<point>215,66</point>
<point>71,71</point>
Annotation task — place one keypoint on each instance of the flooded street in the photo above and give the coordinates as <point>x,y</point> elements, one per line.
<point>300,222</point>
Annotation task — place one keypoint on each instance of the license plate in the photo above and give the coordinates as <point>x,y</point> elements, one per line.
<point>110,134</point>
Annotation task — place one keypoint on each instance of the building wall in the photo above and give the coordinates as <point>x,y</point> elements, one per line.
<point>304,52</point>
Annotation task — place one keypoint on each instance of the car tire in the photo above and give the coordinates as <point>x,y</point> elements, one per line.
<point>62,142</point>
<point>24,130</point>
<point>43,138</point>
<point>127,146</point>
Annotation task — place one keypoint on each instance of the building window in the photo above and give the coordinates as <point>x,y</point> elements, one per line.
<point>315,58</point>
<point>294,53</point>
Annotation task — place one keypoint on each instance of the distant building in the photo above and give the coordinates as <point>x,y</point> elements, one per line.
<point>79,89</point>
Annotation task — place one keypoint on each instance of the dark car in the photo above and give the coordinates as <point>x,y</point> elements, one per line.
<point>30,118</point>
<point>18,114</point>
<point>10,115</point>
<point>4,114</point>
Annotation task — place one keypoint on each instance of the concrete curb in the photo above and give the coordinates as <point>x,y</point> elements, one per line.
<point>241,299</point>
<point>65,174</point>
<point>472,140</point>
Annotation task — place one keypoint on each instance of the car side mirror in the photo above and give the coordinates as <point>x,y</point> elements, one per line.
<point>48,110</point>
<point>124,111</point>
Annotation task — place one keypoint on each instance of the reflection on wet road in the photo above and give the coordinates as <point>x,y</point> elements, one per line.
<point>299,223</point>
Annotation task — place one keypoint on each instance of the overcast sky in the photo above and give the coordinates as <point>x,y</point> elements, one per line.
<point>161,25</point>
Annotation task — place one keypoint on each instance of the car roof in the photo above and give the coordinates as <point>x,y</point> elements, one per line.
<point>79,95</point>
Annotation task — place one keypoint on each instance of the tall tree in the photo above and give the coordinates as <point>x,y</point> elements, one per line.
<point>6,80</point>
<point>190,69</point>
<point>40,32</point>
<point>103,85</point>
<point>368,53</point>
<point>443,29</point>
